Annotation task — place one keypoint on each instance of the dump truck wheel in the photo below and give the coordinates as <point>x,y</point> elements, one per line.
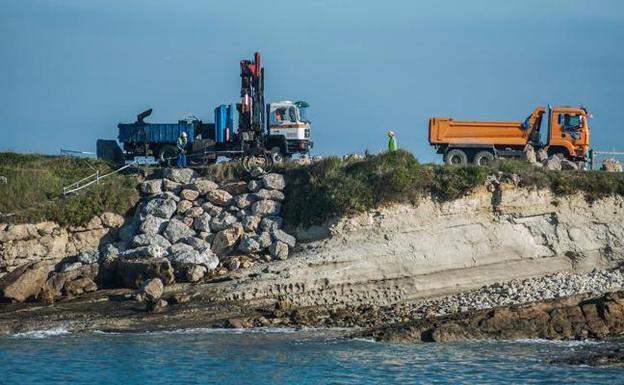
<point>167,155</point>
<point>482,158</point>
<point>456,157</point>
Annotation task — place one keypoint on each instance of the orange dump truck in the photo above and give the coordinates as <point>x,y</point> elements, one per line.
<point>462,142</point>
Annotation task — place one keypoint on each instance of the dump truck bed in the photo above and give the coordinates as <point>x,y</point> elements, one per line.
<point>448,131</point>
<point>154,132</point>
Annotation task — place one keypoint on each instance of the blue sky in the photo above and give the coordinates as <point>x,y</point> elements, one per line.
<point>71,70</point>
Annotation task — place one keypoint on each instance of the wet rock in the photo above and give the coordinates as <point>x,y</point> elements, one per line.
<point>180,175</point>
<point>25,282</point>
<point>279,250</point>
<point>219,197</point>
<point>156,306</point>
<point>274,181</point>
<point>132,273</point>
<point>203,186</point>
<point>222,221</point>
<point>79,286</point>
<point>127,232</point>
<point>226,240</point>
<point>266,207</point>
<point>176,230</point>
<point>238,323</point>
<point>189,195</point>
<point>151,186</point>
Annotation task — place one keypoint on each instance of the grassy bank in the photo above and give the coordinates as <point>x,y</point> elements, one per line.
<point>335,187</point>
<point>35,184</point>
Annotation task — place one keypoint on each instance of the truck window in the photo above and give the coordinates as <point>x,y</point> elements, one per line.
<point>570,121</point>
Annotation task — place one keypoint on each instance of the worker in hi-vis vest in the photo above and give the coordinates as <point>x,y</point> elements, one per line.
<point>181,146</point>
<point>392,143</point>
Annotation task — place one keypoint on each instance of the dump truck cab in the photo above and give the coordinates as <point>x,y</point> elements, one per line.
<point>289,128</point>
<point>568,132</point>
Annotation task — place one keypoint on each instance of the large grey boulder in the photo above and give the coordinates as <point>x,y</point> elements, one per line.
<point>195,242</point>
<point>219,197</point>
<point>211,209</point>
<point>222,221</point>
<point>203,185</point>
<point>178,247</point>
<point>249,245</point>
<point>180,175</point>
<point>147,252</point>
<point>282,236</point>
<point>89,257</point>
<point>169,185</point>
<point>264,240</point>
<point>204,257</point>
<point>243,201</point>
<point>152,225</point>
<point>279,250</point>
<point>202,223</point>
<point>25,282</point>
<point>225,241</point>
<point>274,181</point>
<point>271,222</point>
<point>275,195</point>
<point>250,223</point>
<point>176,230</point>
<point>160,207</point>
<point>568,165</point>
<point>266,207</point>
<point>553,163</point>
<point>146,240</point>
<point>151,186</point>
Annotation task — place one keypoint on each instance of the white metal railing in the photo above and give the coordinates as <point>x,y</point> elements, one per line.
<point>92,179</point>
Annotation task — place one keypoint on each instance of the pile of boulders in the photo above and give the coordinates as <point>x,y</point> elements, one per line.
<point>204,228</point>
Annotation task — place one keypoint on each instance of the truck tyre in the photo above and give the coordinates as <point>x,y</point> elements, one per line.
<point>167,155</point>
<point>483,158</point>
<point>277,154</point>
<point>456,157</point>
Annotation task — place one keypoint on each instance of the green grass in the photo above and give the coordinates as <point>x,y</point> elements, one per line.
<point>333,187</point>
<point>35,185</point>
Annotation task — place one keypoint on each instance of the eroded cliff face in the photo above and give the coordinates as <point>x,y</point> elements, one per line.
<point>404,253</point>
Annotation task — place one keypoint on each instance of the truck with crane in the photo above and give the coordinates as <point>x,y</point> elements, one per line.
<point>265,132</point>
<point>479,142</point>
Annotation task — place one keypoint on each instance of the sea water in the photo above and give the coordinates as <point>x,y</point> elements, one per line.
<point>282,356</point>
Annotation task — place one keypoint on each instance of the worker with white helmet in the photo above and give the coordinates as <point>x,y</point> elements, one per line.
<point>392,143</point>
<point>181,146</point>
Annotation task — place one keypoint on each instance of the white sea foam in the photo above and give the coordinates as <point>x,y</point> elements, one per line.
<point>570,343</point>
<point>38,334</point>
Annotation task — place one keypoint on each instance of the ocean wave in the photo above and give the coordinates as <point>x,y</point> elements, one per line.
<point>39,334</point>
<point>569,343</point>
<point>263,330</point>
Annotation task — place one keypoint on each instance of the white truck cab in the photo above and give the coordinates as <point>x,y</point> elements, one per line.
<point>289,128</point>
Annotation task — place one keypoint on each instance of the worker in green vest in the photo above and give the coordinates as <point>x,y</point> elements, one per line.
<point>392,143</point>
<point>181,147</point>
